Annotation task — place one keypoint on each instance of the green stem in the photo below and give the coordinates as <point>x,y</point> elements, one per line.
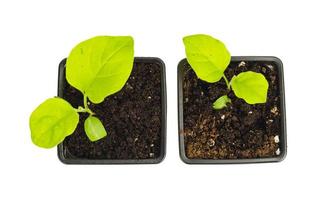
<point>227,82</point>
<point>84,109</point>
<point>80,109</point>
<point>85,102</point>
<point>86,106</point>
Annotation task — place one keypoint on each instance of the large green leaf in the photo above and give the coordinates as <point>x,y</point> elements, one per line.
<point>207,56</point>
<point>250,86</point>
<point>52,121</point>
<point>94,128</point>
<point>100,66</point>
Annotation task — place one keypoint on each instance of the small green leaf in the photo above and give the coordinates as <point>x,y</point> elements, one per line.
<point>100,66</point>
<point>207,56</point>
<point>52,121</point>
<point>94,129</point>
<point>250,86</point>
<point>221,102</point>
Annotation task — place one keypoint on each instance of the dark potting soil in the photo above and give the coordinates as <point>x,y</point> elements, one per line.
<point>239,131</point>
<point>132,119</point>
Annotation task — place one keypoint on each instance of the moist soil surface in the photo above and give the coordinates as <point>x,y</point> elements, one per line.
<point>238,131</point>
<point>132,119</point>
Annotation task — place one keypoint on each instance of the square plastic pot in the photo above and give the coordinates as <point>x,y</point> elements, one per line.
<point>66,157</point>
<point>282,134</point>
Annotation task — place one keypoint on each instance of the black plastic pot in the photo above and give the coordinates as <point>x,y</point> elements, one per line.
<point>63,152</point>
<point>282,134</point>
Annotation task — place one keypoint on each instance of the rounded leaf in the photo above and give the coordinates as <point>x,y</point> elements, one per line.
<point>207,56</point>
<point>250,86</point>
<point>52,121</point>
<point>221,102</point>
<point>100,66</point>
<point>94,129</point>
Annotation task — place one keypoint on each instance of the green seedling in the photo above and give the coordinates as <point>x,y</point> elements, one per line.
<point>209,58</point>
<point>97,67</point>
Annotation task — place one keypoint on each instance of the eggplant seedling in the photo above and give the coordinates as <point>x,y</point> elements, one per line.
<point>209,58</point>
<point>97,67</point>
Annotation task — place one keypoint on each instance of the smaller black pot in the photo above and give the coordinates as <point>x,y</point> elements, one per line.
<point>282,134</point>
<point>68,158</point>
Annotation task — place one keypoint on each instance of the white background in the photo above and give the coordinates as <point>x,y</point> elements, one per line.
<point>36,35</point>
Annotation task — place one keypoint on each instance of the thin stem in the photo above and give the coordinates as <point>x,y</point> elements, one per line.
<point>85,102</point>
<point>227,82</point>
<point>84,109</point>
<point>80,109</point>
<point>86,106</point>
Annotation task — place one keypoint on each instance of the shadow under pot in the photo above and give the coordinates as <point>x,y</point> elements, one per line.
<point>239,133</point>
<point>134,118</point>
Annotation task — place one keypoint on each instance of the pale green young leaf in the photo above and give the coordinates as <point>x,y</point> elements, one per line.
<point>221,102</point>
<point>100,66</point>
<point>94,129</point>
<point>207,56</point>
<point>250,86</point>
<point>52,121</point>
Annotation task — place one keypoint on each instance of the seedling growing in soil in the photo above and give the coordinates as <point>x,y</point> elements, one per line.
<point>209,58</point>
<point>97,67</point>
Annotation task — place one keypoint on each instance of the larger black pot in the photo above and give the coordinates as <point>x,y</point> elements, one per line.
<point>130,140</point>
